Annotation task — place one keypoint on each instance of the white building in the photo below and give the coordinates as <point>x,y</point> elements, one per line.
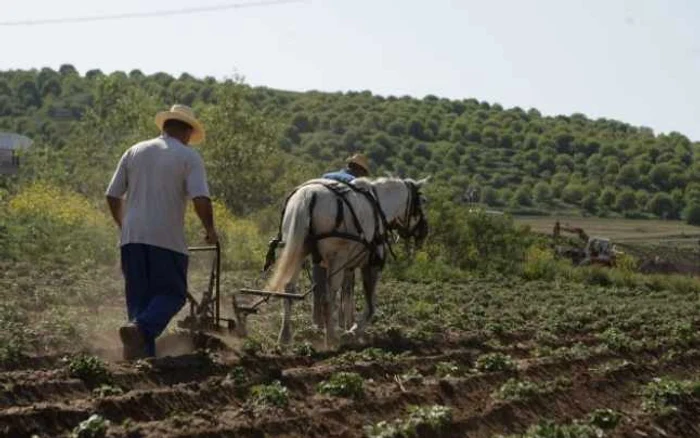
<point>10,143</point>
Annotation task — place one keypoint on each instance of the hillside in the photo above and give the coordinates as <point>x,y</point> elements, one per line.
<point>513,158</point>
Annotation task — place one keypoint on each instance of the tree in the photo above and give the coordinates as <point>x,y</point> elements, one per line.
<point>589,203</point>
<point>627,176</point>
<point>626,200</point>
<point>67,70</point>
<point>692,214</point>
<point>607,197</point>
<point>573,193</point>
<point>660,175</point>
<point>543,193</point>
<point>661,204</point>
<point>489,196</point>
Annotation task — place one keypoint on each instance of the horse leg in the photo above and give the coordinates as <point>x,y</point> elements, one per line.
<point>329,306</point>
<point>346,314</point>
<point>320,281</point>
<point>370,276</point>
<point>285,336</point>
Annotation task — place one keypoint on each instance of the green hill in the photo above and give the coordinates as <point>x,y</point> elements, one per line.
<point>512,158</point>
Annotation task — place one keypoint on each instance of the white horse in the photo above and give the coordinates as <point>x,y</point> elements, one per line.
<point>342,235</point>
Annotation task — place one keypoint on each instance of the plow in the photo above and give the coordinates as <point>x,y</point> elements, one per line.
<point>205,314</point>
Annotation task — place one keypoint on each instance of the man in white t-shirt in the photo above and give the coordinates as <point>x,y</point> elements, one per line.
<point>147,197</point>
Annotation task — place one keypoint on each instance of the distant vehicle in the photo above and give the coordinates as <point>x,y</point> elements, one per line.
<point>594,250</point>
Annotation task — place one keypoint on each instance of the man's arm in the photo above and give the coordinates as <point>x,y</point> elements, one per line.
<point>203,208</point>
<point>116,208</point>
<point>116,189</point>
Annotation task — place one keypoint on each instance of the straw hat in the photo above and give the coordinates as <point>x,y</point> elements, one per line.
<point>184,114</point>
<point>360,160</point>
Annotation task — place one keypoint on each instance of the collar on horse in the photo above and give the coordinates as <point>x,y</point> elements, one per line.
<point>382,228</point>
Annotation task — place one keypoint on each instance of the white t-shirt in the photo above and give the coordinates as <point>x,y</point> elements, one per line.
<point>158,176</point>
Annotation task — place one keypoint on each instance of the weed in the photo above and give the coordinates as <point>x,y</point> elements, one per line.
<point>495,362</point>
<point>343,384</point>
<point>89,369</point>
<point>430,420</point>
<point>605,419</point>
<point>94,427</point>
<point>269,395</point>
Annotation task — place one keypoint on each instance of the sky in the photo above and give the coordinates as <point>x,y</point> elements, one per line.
<point>637,61</point>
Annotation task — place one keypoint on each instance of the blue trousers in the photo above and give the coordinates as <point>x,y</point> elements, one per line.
<point>156,287</point>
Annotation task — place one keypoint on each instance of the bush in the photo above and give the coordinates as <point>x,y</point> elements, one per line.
<point>43,222</point>
<point>692,214</point>
<point>540,264</point>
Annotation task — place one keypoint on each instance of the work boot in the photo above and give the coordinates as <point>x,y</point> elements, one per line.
<point>133,341</point>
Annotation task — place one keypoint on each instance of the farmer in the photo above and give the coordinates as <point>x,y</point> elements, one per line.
<point>158,176</point>
<point>357,167</point>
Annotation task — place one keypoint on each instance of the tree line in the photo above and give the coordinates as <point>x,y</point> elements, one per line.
<point>514,159</point>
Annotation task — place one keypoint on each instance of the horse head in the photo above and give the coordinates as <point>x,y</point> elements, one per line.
<point>413,223</point>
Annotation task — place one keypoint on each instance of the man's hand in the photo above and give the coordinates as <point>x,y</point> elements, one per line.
<point>212,238</point>
<point>203,208</point>
<point>116,208</point>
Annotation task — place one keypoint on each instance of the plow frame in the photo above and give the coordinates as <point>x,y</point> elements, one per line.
<point>205,314</point>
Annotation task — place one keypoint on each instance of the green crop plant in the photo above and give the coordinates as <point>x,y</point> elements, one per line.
<point>664,394</point>
<point>494,362</point>
<point>343,384</point>
<point>273,394</point>
<point>429,420</point>
<point>94,427</point>
<point>605,419</point>
<point>89,369</point>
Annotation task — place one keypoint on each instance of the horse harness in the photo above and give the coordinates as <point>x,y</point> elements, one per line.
<point>382,230</point>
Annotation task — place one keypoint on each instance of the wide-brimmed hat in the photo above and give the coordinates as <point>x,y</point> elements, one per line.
<point>360,160</point>
<point>184,114</point>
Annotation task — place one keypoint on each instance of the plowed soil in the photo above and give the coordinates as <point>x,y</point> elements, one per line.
<point>194,395</point>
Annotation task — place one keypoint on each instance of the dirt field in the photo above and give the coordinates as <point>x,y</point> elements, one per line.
<point>571,350</point>
<point>620,230</point>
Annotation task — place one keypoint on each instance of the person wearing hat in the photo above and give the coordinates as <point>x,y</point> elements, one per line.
<point>357,167</point>
<point>147,197</point>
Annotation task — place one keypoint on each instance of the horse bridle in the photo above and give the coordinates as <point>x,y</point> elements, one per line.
<point>413,208</point>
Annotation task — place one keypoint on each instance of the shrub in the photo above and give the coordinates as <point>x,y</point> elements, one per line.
<point>343,384</point>
<point>45,223</point>
<point>540,264</point>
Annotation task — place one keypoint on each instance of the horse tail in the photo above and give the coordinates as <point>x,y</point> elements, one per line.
<point>295,229</point>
